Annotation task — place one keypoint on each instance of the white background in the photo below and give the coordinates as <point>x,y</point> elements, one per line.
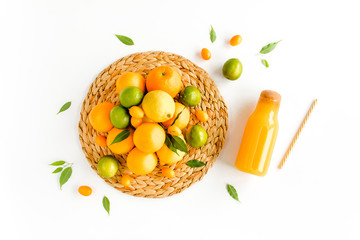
<point>51,51</point>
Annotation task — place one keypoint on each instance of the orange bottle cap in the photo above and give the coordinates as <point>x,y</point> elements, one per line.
<point>270,95</point>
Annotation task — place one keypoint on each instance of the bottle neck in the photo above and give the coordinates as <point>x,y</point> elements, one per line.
<point>268,107</point>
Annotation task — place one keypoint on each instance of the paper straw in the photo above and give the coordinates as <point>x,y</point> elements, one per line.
<point>297,134</point>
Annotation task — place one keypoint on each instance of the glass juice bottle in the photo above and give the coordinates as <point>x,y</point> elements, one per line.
<point>260,135</point>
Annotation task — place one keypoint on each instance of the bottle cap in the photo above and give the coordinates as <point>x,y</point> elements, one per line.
<point>271,96</point>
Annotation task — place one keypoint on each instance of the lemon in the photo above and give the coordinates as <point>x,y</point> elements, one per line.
<point>232,69</point>
<point>158,106</point>
<point>166,156</point>
<point>196,136</point>
<point>107,166</point>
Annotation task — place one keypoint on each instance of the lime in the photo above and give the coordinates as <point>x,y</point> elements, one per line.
<point>130,96</point>
<point>232,69</point>
<point>119,117</point>
<point>190,96</point>
<point>196,136</point>
<point>107,166</point>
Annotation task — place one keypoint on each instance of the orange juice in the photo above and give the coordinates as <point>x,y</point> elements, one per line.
<point>260,135</point>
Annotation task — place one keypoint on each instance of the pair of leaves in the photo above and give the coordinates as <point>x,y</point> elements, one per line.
<point>64,107</point>
<point>175,143</point>
<point>121,136</point>
<point>266,49</point>
<point>65,170</point>
<point>106,204</point>
<point>125,40</point>
<point>195,163</point>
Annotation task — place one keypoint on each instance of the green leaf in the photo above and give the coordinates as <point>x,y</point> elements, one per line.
<point>106,204</point>
<point>212,34</point>
<point>177,116</point>
<point>232,191</point>
<point>65,175</point>
<point>170,145</point>
<point>265,63</point>
<point>178,143</point>
<point>58,163</point>
<point>121,136</point>
<point>59,169</point>
<point>195,163</point>
<point>65,107</point>
<point>268,48</point>
<point>125,40</point>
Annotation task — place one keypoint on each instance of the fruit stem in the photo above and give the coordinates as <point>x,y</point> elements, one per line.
<point>163,74</point>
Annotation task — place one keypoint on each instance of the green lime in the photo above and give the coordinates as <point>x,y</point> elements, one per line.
<point>190,96</point>
<point>107,166</point>
<point>119,117</point>
<point>196,136</point>
<point>232,69</point>
<point>130,96</point>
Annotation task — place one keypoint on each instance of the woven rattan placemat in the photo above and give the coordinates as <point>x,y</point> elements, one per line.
<point>154,185</point>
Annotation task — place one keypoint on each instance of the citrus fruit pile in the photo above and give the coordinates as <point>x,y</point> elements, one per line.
<point>150,125</point>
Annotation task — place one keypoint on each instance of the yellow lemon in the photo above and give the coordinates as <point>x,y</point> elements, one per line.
<point>158,106</point>
<point>166,156</point>
<point>141,163</point>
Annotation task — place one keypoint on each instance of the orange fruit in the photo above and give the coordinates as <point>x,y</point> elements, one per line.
<point>183,119</point>
<point>101,141</point>
<point>141,163</point>
<point>168,172</point>
<point>202,115</point>
<point>167,156</point>
<point>205,54</point>
<point>126,180</point>
<point>164,78</point>
<point>120,147</point>
<point>136,111</point>
<point>85,190</point>
<point>174,130</point>
<point>235,40</point>
<point>149,137</point>
<point>130,79</point>
<point>135,122</point>
<point>100,117</point>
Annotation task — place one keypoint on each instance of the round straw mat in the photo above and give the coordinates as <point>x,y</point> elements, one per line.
<point>154,185</point>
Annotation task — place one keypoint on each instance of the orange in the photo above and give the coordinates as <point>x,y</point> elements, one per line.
<point>100,117</point>
<point>202,115</point>
<point>174,130</point>
<point>126,180</point>
<point>235,40</point>
<point>101,141</point>
<point>121,147</point>
<point>168,172</point>
<point>167,156</point>
<point>149,137</point>
<point>183,119</point>
<point>136,111</point>
<point>141,163</point>
<point>205,54</point>
<point>85,190</point>
<point>130,79</point>
<point>135,122</point>
<point>164,78</point>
